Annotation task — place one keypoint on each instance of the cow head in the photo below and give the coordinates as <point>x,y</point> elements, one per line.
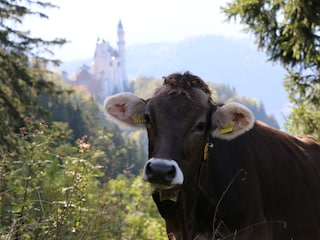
<point>179,118</point>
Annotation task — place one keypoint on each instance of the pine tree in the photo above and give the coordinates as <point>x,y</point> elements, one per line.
<point>21,80</point>
<point>288,31</point>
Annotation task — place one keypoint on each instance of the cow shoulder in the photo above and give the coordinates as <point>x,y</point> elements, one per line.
<point>231,120</point>
<point>125,108</point>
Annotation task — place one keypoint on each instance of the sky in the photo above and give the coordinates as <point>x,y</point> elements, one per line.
<point>144,21</point>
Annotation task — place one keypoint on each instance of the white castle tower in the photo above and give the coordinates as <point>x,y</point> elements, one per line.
<point>109,66</point>
<point>122,56</point>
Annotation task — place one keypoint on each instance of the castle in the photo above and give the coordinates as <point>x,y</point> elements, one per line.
<point>107,74</point>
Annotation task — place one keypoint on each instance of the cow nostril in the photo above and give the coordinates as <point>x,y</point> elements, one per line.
<point>171,173</point>
<point>149,171</point>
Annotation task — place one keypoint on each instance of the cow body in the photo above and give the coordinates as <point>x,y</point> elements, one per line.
<point>219,174</point>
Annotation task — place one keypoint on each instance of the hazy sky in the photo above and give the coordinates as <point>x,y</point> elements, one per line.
<point>144,21</point>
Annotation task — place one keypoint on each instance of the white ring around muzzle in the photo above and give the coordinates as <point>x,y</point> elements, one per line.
<point>178,178</point>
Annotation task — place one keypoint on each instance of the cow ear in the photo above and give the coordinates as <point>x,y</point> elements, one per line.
<point>126,108</point>
<point>231,120</point>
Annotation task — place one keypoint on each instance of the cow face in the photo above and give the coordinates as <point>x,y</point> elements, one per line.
<point>178,122</point>
<point>177,125</point>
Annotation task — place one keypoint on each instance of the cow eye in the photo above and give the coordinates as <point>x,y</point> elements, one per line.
<point>200,127</point>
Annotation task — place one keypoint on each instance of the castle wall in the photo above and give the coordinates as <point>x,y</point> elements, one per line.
<point>108,72</point>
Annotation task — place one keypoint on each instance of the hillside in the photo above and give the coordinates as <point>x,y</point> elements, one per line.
<point>234,63</point>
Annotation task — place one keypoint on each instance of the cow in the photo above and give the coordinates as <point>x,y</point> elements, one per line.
<point>216,172</point>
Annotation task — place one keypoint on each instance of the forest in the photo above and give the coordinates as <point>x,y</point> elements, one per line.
<point>66,172</point>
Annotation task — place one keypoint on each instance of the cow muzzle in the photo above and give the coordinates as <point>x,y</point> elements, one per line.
<point>162,173</point>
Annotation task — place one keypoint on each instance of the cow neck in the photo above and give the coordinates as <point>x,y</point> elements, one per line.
<point>207,151</point>
<point>195,213</point>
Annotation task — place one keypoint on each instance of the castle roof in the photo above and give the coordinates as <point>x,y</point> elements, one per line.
<point>120,24</point>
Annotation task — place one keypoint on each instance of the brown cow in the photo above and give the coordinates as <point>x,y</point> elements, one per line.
<point>219,174</point>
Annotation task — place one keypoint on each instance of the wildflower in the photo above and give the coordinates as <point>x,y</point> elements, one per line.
<point>28,121</point>
<point>22,130</point>
<point>83,145</point>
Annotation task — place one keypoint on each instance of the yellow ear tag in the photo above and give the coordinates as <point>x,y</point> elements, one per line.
<point>228,128</point>
<point>137,119</point>
<point>205,151</point>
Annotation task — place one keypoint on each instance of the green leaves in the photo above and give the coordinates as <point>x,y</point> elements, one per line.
<point>22,80</point>
<point>288,31</point>
<point>51,189</point>
<point>304,92</point>
<point>137,215</point>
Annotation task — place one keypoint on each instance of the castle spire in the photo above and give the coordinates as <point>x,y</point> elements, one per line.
<point>120,35</point>
<point>122,52</point>
<point>120,24</point>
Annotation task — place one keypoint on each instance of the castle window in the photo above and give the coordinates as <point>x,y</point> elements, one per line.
<point>113,58</point>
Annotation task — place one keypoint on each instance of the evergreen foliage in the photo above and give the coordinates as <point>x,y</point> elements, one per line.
<point>81,112</point>
<point>83,116</point>
<point>288,31</point>
<point>21,81</point>
<point>144,87</point>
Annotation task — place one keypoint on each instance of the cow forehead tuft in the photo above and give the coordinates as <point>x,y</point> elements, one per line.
<point>171,100</point>
<point>186,81</point>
